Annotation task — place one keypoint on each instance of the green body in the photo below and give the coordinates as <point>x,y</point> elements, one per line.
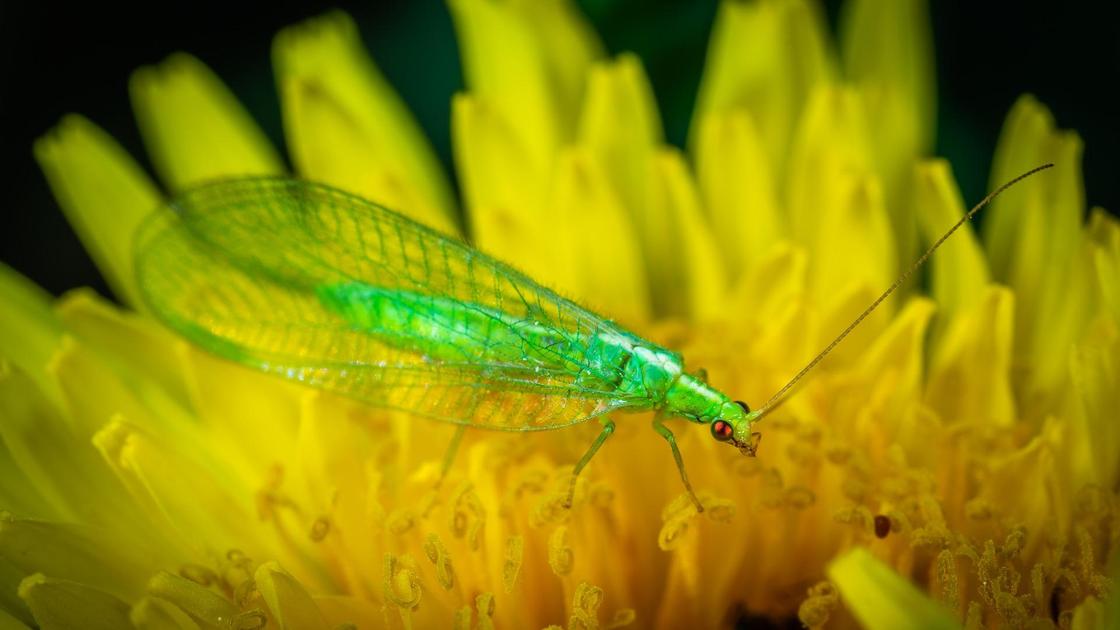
<point>453,331</point>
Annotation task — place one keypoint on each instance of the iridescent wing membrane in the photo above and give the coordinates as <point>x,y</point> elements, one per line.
<point>325,288</point>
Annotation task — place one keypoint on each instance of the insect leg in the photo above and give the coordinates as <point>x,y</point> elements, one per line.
<point>663,431</point>
<point>452,449</point>
<point>608,429</point>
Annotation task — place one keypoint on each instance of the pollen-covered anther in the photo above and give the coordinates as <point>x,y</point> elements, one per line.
<point>437,554</point>
<point>817,608</point>
<point>484,604</point>
<point>560,555</point>
<point>401,584</point>
<point>511,568</point>
<point>467,517</point>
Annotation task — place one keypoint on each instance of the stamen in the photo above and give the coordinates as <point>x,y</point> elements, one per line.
<point>402,587</point>
<point>622,618</point>
<point>463,618</point>
<point>560,556</point>
<point>250,620</point>
<point>948,580</point>
<point>515,551</point>
<point>467,517</point>
<point>484,604</point>
<point>438,555</point>
<point>815,611</point>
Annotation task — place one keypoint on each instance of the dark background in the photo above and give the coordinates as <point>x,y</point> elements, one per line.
<point>55,60</point>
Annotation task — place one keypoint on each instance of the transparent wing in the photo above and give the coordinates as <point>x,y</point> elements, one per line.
<point>239,267</point>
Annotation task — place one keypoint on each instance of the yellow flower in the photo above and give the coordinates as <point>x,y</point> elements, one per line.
<point>954,463</point>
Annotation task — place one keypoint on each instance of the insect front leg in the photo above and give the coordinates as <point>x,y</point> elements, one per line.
<point>608,429</point>
<point>663,431</point>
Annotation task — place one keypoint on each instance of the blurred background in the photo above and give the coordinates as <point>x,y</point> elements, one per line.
<point>55,60</point>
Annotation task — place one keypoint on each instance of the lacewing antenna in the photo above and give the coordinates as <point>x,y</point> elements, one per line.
<point>777,399</point>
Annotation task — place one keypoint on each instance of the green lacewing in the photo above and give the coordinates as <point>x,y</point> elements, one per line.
<point>322,287</point>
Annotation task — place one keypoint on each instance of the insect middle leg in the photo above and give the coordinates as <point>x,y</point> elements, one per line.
<point>663,431</point>
<point>608,429</point>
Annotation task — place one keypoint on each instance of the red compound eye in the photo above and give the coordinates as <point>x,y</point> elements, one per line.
<point>722,430</point>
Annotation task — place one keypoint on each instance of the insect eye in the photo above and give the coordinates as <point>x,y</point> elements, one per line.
<point>742,404</point>
<point>722,430</point>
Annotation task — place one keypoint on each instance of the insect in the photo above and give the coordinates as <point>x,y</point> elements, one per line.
<point>325,288</point>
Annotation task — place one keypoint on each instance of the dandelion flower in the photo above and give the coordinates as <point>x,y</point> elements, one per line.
<point>953,464</point>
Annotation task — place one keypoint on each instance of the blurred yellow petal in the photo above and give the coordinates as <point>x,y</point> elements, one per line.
<point>193,126</point>
<point>685,270</point>
<point>765,57</point>
<point>894,363</point>
<point>347,127</point>
<point>1033,236</point>
<point>201,603</point>
<point>48,450</point>
<point>64,605</point>
<point>620,125</point>
<point>116,562</point>
<point>508,215</point>
<point>1094,452</point>
<point>970,372</point>
<point>836,203</point>
<point>604,254</point>
<point>959,272</point>
<point>289,603</point>
<point>29,330</point>
<point>154,613</point>
<point>882,599</point>
<point>103,192</point>
<point>887,49</point>
<point>138,343</point>
<point>8,621</point>
<point>735,179</point>
<point>154,474</point>
<point>1104,234</point>
<point>530,60</point>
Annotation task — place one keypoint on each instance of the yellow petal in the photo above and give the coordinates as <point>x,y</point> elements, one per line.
<point>347,127</point>
<point>1094,442</point>
<point>598,236</point>
<point>685,270</point>
<point>201,603</point>
<point>736,182</point>
<point>193,126</point>
<point>51,455</point>
<point>1104,234</point>
<point>118,562</point>
<point>530,59</point>
<point>1033,238</point>
<point>29,330</point>
<point>171,487</point>
<point>134,343</point>
<point>508,214</point>
<point>63,605</point>
<point>888,53</point>
<point>619,123</point>
<point>765,57</point>
<point>103,192</point>
<point>8,621</point>
<point>898,355</point>
<point>882,599</point>
<point>959,272</point>
<point>155,613</point>
<point>289,603</point>
<point>837,207</point>
<point>970,372</point>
